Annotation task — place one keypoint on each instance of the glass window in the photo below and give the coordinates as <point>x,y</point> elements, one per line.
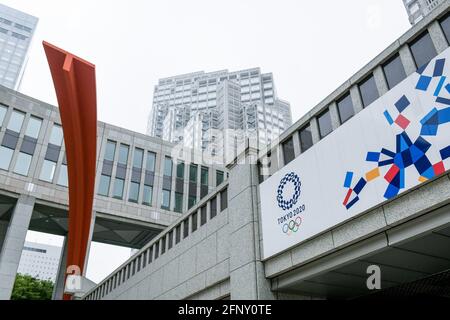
<point>63,178</point>
<point>178,202</point>
<point>423,50</point>
<point>123,154</point>
<point>167,167</point>
<point>23,164</point>
<point>3,110</point>
<point>192,200</point>
<point>165,199</point>
<point>204,176</point>
<point>16,121</point>
<point>223,200</point>
<point>194,221</point>
<point>193,173</point>
<point>147,195</point>
<point>110,150</point>
<point>203,217</point>
<point>445,25</point>
<point>163,245</point>
<point>325,127</point>
<point>288,150</point>
<point>33,128</point>
<point>368,90</point>
<point>185,228</point>
<point>134,192</point>
<point>394,71</point>
<point>306,141</point>
<point>138,158</point>
<point>151,156</point>
<point>103,187</point>
<point>213,207</point>
<point>177,234</point>
<point>219,177</point>
<point>118,188</point>
<point>180,170</point>
<point>345,108</point>
<point>48,171</point>
<point>56,136</point>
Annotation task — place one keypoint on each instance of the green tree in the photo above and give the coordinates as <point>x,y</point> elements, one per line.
<point>29,288</point>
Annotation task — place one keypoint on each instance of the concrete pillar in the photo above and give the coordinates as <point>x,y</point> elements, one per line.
<point>94,215</point>
<point>334,114</point>
<point>438,37</point>
<point>13,244</point>
<point>407,60</point>
<point>296,141</point>
<point>58,290</point>
<point>247,276</point>
<point>380,80</point>
<point>356,99</point>
<point>315,130</point>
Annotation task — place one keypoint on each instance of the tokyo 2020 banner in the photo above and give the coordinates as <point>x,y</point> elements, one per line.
<point>399,141</point>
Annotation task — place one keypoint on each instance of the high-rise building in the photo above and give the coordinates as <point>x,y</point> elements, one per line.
<point>40,261</point>
<point>418,9</point>
<point>16,33</point>
<point>204,110</point>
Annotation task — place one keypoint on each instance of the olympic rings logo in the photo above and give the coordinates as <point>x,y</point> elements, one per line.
<point>292,226</point>
<point>293,178</point>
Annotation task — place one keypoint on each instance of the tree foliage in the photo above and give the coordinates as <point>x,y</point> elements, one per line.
<point>29,288</point>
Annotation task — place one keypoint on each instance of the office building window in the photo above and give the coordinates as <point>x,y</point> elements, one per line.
<point>147,195</point>
<point>103,186</point>
<point>445,25</point>
<point>394,71</point>
<point>150,166</point>
<point>170,240</point>
<point>204,176</point>
<point>138,158</point>
<point>63,179</point>
<point>23,164</point>
<point>150,255</point>
<point>219,177</point>
<point>192,200</point>
<point>165,199</point>
<point>168,166</point>
<point>47,171</point>
<point>3,110</point>
<point>194,221</point>
<point>203,216</point>
<point>56,136</point>
<point>193,173</point>
<point>157,250</point>
<point>305,136</point>
<point>422,49</point>
<point>178,202</point>
<point>345,108</point>
<point>325,126</point>
<point>288,150</point>
<point>223,200</point>
<point>177,234</point>
<point>185,228</point>
<point>110,151</point>
<point>134,192</point>
<point>180,170</point>
<point>118,188</point>
<point>163,245</point>
<point>213,208</point>
<point>369,91</point>
<point>144,263</point>
<point>33,127</point>
<point>123,154</point>
<point>16,121</point>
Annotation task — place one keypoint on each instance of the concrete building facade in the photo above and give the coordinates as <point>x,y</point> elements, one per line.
<point>418,9</point>
<point>16,34</point>
<point>215,249</point>
<point>41,261</point>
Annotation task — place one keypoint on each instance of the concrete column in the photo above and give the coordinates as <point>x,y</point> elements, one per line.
<point>438,37</point>
<point>380,80</point>
<point>91,234</point>
<point>315,130</point>
<point>407,60</point>
<point>356,99</point>
<point>334,114</point>
<point>247,276</point>
<point>296,141</point>
<point>58,289</point>
<point>13,244</point>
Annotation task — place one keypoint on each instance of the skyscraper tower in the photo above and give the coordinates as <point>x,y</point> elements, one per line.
<point>16,33</point>
<point>418,9</point>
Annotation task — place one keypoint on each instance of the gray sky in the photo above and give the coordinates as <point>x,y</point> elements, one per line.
<point>311,47</point>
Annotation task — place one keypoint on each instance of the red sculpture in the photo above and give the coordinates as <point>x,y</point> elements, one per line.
<point>74,81</point>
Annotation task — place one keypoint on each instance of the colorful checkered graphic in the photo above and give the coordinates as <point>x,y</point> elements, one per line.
<point>409,152</point>
<point>289,178</point>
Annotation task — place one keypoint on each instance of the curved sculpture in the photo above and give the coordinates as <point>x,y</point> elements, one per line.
<point>74,81</point>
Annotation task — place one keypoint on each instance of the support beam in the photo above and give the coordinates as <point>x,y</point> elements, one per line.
<point>13,244</point>
<point>58,290</point>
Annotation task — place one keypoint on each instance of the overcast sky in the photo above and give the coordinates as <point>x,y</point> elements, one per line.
<point>311,47</point>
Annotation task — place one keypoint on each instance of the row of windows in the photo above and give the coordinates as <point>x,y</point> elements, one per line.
<point>422,50</point>
<point>164,244</point>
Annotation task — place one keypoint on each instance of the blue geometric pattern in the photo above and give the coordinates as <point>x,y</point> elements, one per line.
<point>407,153</point>
<point>288,204</point>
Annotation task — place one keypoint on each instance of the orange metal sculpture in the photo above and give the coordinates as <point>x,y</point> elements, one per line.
<point>74,81</point>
